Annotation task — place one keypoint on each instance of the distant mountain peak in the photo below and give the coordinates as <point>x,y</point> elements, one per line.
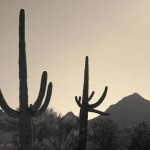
<point>136,95</point>
<point>133,97</point>
<point>70,113</point>
<point>70,117</point>
<point>130,110</point>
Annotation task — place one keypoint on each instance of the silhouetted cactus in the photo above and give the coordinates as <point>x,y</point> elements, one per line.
<point>25,112</point>
<point>85,107</point>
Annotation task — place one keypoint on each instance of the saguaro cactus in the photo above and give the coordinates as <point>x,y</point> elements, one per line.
<point>85,107</point>
<point>25,112</point>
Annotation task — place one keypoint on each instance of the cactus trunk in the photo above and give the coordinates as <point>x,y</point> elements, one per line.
<point>25,131</point>
<point>84,110</point>
<point>25,124</point>
<point>83,128</point>
<point>23,97</point>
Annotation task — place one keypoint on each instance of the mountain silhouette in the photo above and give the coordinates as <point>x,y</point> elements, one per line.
<point>70,118</point>
<point>129,111</point>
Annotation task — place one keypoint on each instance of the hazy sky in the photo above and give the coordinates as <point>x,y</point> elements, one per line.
<point>115,34</point>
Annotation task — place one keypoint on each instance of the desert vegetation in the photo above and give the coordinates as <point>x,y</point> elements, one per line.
<point>51,131</point>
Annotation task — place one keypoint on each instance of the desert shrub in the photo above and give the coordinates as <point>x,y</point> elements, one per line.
<point>103,134</point>
<point>140,139</point>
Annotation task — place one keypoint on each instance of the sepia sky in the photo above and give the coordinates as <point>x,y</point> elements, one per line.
<point>115,34</point>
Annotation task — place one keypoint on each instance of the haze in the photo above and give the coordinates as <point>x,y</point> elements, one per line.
<point>115,34</point>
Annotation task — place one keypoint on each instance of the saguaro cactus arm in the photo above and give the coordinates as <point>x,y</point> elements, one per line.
<point>6,108</point>
<point>91,96</point>
<point>100,100</point>
<point>78,101</point>
<point>39,100</point>
<point>46,102</point>
<point>99,112</point>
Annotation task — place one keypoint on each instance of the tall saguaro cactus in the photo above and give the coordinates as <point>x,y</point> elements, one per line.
<point>25,112</point>
<point>85,107</point>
